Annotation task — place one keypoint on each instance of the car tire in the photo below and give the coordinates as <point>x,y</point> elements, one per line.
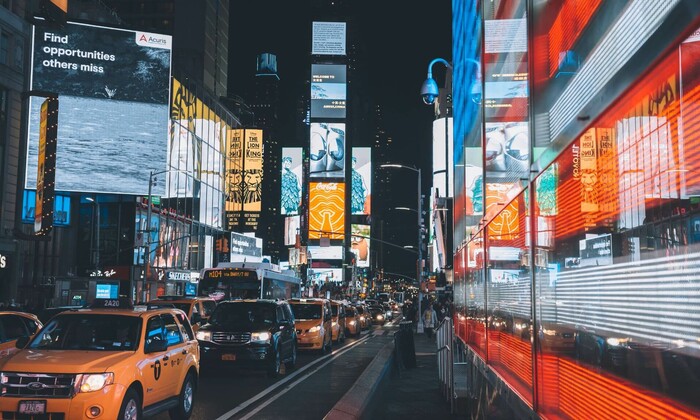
<point>131,406</point>
<point>293,361</point>
<point>275,366</point>
<point>185,401</point>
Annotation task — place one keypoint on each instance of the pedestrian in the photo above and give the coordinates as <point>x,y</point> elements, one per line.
<point>429,320</point>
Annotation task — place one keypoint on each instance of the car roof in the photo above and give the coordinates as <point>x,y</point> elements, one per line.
<point>22,314</point>
<point>137,311</point>
<point>315,301</point>
<point>265,301</point>
<point>167,298</point>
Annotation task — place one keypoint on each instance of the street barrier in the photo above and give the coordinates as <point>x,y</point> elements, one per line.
<point>445,335</point>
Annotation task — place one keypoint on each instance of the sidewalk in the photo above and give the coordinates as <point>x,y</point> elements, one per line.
<point>414,393</point>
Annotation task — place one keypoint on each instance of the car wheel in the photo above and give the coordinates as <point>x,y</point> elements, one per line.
<point>293,361</point>
<point>131,406</point>
<point>185,402</point>
<point>275,365</point>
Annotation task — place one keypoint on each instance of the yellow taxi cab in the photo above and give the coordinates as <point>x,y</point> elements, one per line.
<point>197,308</point>
<point>365,320</point>
<point>353,325</point>
<point>111,361</point>
<point>14,325</point>
<point>338,321</point>
<point>313,322</point>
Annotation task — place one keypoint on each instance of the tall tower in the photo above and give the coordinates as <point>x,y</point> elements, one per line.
<point>265,104</point>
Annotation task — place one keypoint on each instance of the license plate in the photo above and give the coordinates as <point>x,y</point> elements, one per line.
<point>228,357</point>
<point>32,407</point>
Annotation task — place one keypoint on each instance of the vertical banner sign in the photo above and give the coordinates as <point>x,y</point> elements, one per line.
<point>253,170</point>
<point>589,172</point>
<point>234,177</point>
<point>46,168</point>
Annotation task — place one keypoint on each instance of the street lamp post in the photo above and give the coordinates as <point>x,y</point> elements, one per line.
<point>419,262</point>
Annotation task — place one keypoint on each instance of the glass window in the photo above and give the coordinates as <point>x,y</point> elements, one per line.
<point>280,314</point>
<point>4,48</point>
<point>288,313</point>
<point>209,307</point>
<point>19,53</point>
<point>154,330</point>
<point>89,332</point>
<point>307,311</point>
<point>13,327</point>
<point>186,328</point>
<point>172,331</point>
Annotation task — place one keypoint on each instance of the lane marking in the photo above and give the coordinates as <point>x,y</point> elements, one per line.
<point>282,382</point>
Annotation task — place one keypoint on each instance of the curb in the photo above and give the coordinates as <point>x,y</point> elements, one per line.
<point>356,400</point>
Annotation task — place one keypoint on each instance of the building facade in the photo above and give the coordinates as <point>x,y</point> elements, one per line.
<point>576,208</point>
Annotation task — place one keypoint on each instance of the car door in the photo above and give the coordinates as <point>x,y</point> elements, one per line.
<point>174,366</point>
<point>153,365</point>
<point>191,348</point>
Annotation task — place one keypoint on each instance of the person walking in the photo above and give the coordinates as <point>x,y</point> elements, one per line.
<point>429,320</point>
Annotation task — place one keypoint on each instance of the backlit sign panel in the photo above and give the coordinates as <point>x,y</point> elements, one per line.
<point>292,224</point>
<point>326,210</point>
<point>325,275</point>
<point>360,244</point>
<point>327,150</point>
<point>328,38</point>
<point>114,86</point>
<point>325,252</point>
<point>328,90</point>
<point>292,178</point>
<point>361,192</point>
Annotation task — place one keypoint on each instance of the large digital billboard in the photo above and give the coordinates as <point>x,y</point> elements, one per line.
<point>244,173</point>
<point>114,88</point>
<point>292,224</point>
<point>326,210</point>
<point>328,90</point>
<point>325,252</point>
<point>361,193</point>
<point>328,38</point>
<point>327,150</point>
<point>320,276</point>
<point>360,244</point>
<point>292,179</point>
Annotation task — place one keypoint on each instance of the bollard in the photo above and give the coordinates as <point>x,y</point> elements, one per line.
<point>407,347</point>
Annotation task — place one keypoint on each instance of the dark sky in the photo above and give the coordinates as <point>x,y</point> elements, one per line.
<point>400,39</point>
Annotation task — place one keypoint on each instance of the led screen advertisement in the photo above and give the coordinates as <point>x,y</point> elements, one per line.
<point>325,252</point>
<point>326,210</point>
<point>113,86</point>
<point>361,193</point>
<point>292,178</point>
<point>323,275</point>
<point>244,174</point>
<point>328,38</point>
<point>360,244</point>
<point>328,90</point>
<point>292,224</point>
<point>327,150</point>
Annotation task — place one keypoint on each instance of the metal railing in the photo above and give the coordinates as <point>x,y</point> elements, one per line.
<point>445,358</point>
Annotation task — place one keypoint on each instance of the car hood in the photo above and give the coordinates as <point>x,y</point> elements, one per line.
<point>64,361</point>
<point>305,324</point>
<point>242,327</point>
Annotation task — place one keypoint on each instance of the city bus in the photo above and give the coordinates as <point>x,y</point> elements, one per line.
<point>248,281</point>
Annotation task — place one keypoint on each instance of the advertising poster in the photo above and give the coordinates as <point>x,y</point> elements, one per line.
<point>361,194</point>
<point>252,170</point>
<point>507,147</point>
<point>320,276</point>
<point>114,87</point>
<point>325,252</point>
<point>326,210</point>
<point>327,150</point>
<point>234,170</point>
<point>360,244</point>
<point>292,178</point>
<point>328,91</point>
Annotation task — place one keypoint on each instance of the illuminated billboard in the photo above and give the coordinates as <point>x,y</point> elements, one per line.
<point>327,150</point>
<point>114,87</point>
<point>328,90</point>
<point>292,178</point>
<point>323,275</point>
<point>325,252</point>
<point>326,210</point>
<point>360,244</point>
<point>328,38</point>
<point>507,147</point>
<point>442,139</point>
<point>244,171</point>
<point>361,192</point>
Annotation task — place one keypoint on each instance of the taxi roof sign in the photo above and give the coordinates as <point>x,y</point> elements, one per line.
<point>120,303</point>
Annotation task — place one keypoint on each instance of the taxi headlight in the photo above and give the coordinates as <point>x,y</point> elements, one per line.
<point>91,382</point>
<point>615,342</point>
<point>261,337</point>
<point>314,329</point>
<point>204,335</point>
<point>353,322</point>
<point>334,323</point>
<point>379,317</point>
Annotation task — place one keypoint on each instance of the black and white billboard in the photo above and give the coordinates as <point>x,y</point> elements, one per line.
<point>114,88</point>
<point>328,90</point>
<point>328,38</point>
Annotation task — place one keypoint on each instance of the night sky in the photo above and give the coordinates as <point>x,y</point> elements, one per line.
<point>400,39</point>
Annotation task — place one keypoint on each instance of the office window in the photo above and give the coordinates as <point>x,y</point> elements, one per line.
<point>19,53</point>
<point>4,47</point>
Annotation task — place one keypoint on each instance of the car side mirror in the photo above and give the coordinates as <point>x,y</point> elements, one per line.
<point>155,346</point>
<point>22,342</point>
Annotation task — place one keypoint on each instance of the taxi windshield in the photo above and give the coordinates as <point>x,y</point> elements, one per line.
<point>89,332</point>
<point>334,309</point>
<point>306,311</point>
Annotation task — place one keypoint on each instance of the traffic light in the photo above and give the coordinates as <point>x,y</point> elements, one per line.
<point>222,245</point>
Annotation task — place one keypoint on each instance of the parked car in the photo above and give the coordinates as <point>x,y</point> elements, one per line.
<point>253,333</point>
<point>197,308</point>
